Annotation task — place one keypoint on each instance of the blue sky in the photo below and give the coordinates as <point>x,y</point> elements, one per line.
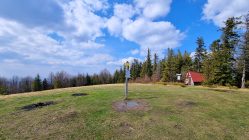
<point>86,36</point>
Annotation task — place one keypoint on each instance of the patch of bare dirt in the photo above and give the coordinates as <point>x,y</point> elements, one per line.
<point>125,128</point>
<point>178,126</point>
<point>37,105</point>
<point>223,90</point>
<point>127,105</point>
<point>79,94</point>
<point>66,117</point>
<point>187,104</point>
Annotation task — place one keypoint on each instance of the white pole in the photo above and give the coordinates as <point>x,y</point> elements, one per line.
<point>126,88</point>
<point>127,75</point>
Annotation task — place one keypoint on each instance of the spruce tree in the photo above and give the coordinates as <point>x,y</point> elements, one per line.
<point>211,64</point>
<point>200,54</point>
<point>116,76</point>
<point>143,69</point>
<point>37,85</point>
<point>179,62</point>
<point>155,62</point>
<point>208,69</point>
<point>169,72</point>
<point>135,69</point>
<point>148,65</point>
<point>121,75</point>
<point>187,62</point>
<point>88,80</point>
<point>45,85</point>
<point>229,40</point>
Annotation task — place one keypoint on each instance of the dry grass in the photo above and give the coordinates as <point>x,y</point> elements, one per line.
<point>174,113</point>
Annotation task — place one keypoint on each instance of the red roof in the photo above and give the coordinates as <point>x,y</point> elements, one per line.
<point>196,76</point>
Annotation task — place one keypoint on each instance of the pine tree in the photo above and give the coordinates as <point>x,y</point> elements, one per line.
<point>155,62</point>
<point>116,76</point>
<point>156,69</point>
<point>211,63</point>
<point>169,72</point>
<point>149,71</point>
<point>45,85</point>
<point>143,69</point>
<point>200,54</point>
<point>95,79</point>
<point>88,80</point>
<point>208,69</point>
<point>122,75</point>
<point>229,40</point>
<point>187,62</point>
<point>135,69</point>
<point>37,85</point>
<point>179,62</point>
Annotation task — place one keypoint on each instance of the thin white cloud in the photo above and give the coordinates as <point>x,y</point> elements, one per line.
<point>10,61</point>
<point>9,68</point>
<point>218,11</point>
<point>122,61</point>
<point>134,52</point>
<point>96,5</point>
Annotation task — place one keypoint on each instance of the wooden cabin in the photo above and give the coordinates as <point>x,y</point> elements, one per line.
<point>194,78</point>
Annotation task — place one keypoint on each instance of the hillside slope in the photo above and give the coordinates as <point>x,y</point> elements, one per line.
<point>172,113</point>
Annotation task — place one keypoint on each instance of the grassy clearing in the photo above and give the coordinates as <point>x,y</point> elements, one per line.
<point>174,113</point>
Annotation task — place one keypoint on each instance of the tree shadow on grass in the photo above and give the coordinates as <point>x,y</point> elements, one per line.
<point>223,91</point>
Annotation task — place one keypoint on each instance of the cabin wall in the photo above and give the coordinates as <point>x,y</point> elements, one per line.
<point>189,80</point>
<point>192,83</point>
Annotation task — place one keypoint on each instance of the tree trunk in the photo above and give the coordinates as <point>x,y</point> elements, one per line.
<point>243,76</point>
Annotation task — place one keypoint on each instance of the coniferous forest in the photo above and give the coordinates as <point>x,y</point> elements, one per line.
<point>224,62</point>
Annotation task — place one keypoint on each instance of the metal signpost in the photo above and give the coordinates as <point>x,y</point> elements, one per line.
<point>127,76</point>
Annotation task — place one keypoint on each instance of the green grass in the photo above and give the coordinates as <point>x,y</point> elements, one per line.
<point>174,113</point>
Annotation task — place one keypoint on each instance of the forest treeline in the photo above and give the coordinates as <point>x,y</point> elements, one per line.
<point>225,62</point>
<point>53,81</point>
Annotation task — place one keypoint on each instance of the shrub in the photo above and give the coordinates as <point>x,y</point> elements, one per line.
<point>177,84</point>
<point>3,90</point>
<point>144,79</point>
<point>180,84</point>
<point>210,86</point>
<point>233,87</point>
<point>247,84</point>
<point>162,83</point>
<point>183,85</point>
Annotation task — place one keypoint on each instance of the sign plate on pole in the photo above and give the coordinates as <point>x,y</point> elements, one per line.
<point>127,74</point>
